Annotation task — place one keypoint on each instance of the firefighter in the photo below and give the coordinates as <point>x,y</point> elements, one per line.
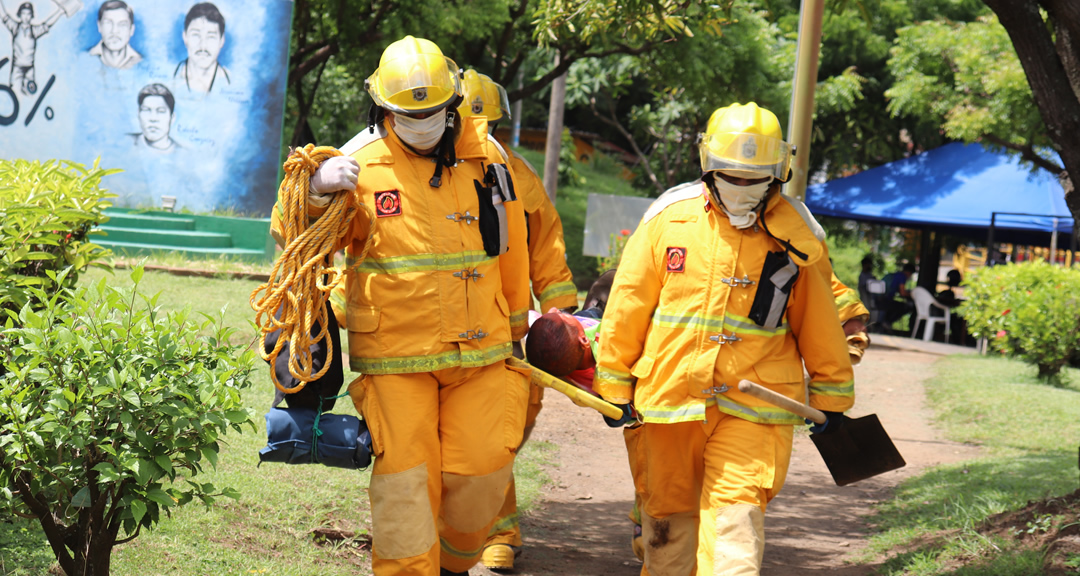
<point>432,312</point>
<point>721,282</point>
<point>552,282</point>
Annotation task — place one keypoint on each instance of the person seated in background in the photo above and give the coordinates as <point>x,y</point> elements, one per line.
<point>897,294</point>
<point>866,276</point>
<point>947,296</point>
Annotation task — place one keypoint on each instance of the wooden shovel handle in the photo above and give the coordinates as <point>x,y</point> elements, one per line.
<point>780,401</point>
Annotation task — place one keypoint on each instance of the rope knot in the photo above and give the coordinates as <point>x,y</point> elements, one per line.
<point>302,159</point>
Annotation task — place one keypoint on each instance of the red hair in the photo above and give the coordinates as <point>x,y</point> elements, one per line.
<point>553,345</point>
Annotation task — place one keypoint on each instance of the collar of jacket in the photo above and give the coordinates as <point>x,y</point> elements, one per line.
<point>471,144</point>
<point>784,222</point>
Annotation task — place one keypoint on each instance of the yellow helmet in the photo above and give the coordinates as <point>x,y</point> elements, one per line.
<point>482,96</point>
<point>414,77</point>
<point>745,141</point>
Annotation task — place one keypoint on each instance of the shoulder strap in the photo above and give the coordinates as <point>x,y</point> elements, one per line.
<point>671,196</point>
<point>807,217</point>
<point>362,139</point>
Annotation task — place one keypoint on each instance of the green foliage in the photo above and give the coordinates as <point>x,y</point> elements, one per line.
<point>966,78</point>
<point>47,211</point>
<point>625,21</point>
<point>109,408</point>
<point>655,104</point>
<point>1028,310</point>
<point>853,129</point>
<point>568,161</point>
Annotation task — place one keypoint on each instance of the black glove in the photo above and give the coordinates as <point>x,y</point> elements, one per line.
<point>629,416</point>
<point>833,422</point>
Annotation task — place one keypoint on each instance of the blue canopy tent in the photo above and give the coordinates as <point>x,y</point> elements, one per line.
<point>956,189</point>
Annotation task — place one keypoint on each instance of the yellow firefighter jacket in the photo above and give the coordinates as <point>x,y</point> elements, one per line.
<point>552,281</point>
<point>677,333</point>
<point>428,296</point>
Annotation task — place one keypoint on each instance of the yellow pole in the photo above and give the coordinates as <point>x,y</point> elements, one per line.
<point>801,118</point>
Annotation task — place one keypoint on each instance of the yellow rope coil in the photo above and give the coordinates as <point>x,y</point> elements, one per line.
<point>296,284</point>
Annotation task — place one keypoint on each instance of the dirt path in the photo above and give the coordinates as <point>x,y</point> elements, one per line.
<point>582,527</point>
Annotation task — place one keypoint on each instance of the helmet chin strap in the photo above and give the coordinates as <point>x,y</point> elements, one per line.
<point>445,153</point>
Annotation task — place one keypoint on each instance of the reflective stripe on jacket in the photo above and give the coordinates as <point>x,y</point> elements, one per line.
<point>677,334</point>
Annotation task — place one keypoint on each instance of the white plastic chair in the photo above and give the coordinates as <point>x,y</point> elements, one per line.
<point>875,294</point>
<point>923,301</point>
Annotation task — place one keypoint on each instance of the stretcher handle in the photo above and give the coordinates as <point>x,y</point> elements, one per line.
<point>780,401</point>
<point>576,395</point>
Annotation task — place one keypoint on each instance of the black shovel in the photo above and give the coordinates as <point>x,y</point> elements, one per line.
<point>859,449</point>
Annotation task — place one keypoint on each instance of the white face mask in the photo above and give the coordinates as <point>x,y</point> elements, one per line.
<point>738,202</point>
<point>421,133</point>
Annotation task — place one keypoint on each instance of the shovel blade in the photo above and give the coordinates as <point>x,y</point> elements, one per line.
<point>859,450</point>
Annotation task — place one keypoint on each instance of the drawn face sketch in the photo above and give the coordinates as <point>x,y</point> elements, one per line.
<point>204,41</point>
<point>116,28</point>
<point>26,14</point>
<point>155,117</point>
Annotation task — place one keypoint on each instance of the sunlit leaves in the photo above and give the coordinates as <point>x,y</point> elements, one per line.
<point>47,211</point>
<point>967,78</point>
<point>106,401</point>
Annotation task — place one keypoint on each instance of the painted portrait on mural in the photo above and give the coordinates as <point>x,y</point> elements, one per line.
<point>156,109</point>
<point>161,89</point>
<point>116,23</point>
<point>204,37</point>
<point>24,37</point>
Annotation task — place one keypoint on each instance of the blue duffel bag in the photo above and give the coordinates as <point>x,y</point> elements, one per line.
<point>341,441</point>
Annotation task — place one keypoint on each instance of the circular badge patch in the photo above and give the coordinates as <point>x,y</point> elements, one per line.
<point>676,259</point>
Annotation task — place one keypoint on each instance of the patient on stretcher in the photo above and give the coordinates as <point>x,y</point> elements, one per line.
<point>565,345</point>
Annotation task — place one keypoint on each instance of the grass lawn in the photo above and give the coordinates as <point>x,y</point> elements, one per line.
<point>269,530</point>
<point>1029,431</point>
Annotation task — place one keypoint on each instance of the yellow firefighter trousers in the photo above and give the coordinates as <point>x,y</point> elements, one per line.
<point>444,443</point>
<point>507,529</point>
<point>705,488</point>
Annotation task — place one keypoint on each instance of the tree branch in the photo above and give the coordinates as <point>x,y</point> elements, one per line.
<point>613,120</point>
<point>1027,152</point>
<point>508,32</point>
<point>53,531</point>
<point>566,59</point>
<point>301,53</point>
<point>321,56</point>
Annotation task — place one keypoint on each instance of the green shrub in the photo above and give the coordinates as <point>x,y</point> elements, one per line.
<point>108,410</point>
<point>568,161</point>
<point>47,211</point>
<point>1029,310</point>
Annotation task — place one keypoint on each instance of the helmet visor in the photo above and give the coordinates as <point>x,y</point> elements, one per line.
<point>748,153</point>
<point>414,83</point>
<point>488,100</point>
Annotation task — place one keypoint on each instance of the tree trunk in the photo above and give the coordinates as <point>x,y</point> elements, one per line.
<point>1046,74</point>
<point>554,134</point>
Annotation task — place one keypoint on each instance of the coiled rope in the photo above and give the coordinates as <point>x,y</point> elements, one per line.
<point>296,285</point>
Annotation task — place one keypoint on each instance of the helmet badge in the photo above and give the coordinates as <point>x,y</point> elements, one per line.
<point>749,148</point>
<point>477,105</point>
<point>419,94</point>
